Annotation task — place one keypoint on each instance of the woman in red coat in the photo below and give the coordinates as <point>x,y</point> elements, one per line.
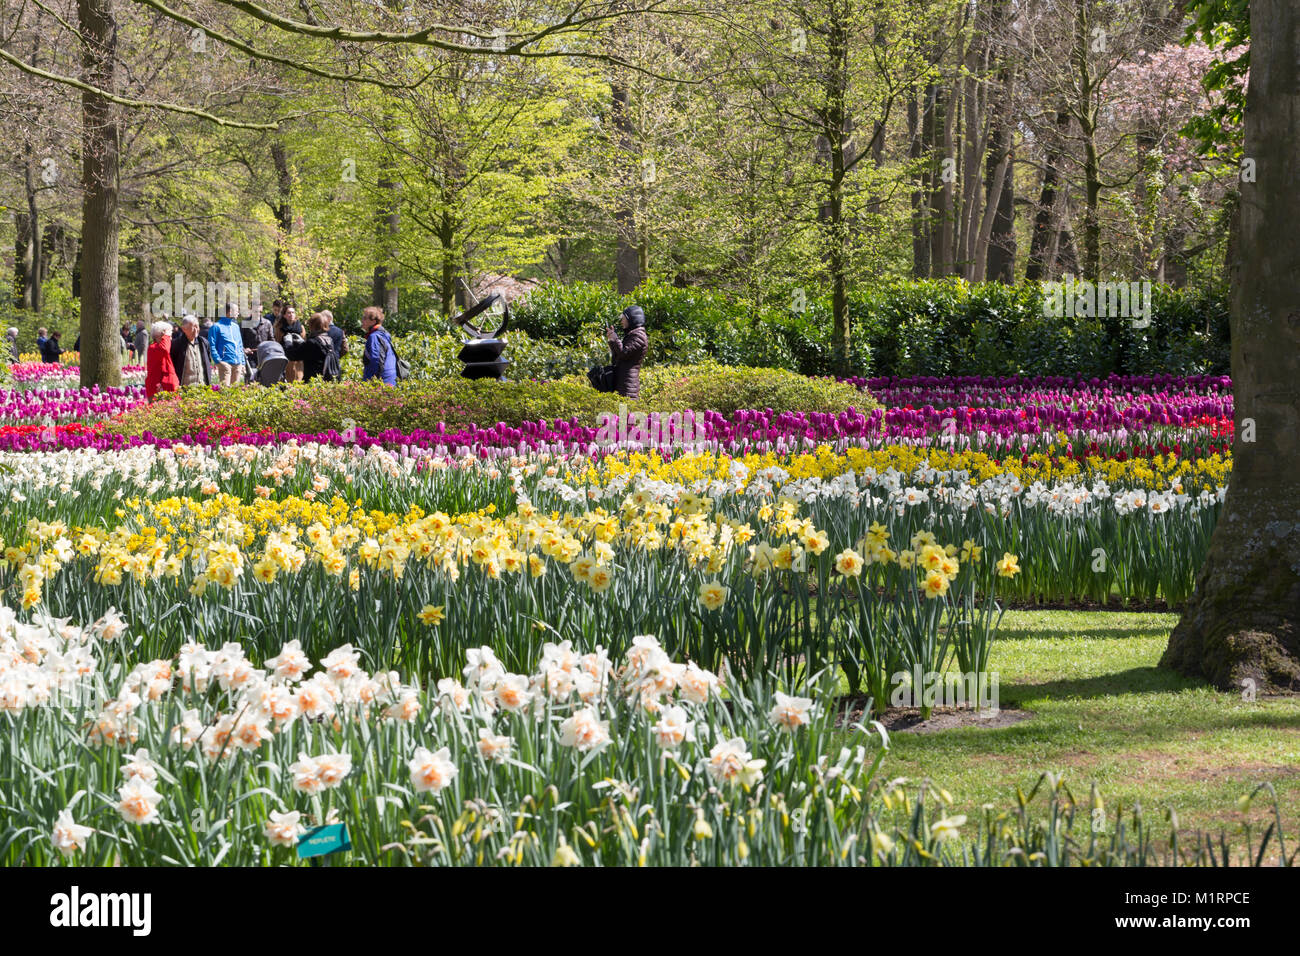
<point>160,371</point>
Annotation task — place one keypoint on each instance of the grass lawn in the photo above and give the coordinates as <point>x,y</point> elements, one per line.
<point>1103,711</point>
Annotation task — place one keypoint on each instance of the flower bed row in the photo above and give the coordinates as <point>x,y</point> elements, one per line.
<point>998,432</point>
<point>40,374</point>
<point>206,757</point>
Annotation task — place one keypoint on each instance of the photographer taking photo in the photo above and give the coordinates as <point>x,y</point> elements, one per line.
<point>628,352</point>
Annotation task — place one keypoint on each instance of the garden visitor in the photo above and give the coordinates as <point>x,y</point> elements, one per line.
<point>12,335</point>
<point>288,324</point>
<point>256,329</point>
<point>628,351</point>
<point>380,358</point>
<point>191,355</point>
<point>337,336</point>
<point>316,352</point>
<point>41,337</point>
<point>227,346</point>
<point>140,341</point>
<point>160,372</point>
<point>51,351</point>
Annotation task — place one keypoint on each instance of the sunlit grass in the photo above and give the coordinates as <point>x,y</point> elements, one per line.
<point>1103,711</point>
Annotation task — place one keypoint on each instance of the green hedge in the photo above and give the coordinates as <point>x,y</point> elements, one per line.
<point>915,327</point>
<point>421,405</point>
<point>433,356</point>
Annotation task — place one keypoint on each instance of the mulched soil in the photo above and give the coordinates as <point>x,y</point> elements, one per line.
<point>907,720</point>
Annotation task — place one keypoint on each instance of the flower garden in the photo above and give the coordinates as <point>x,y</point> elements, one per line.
<point>517,643</point>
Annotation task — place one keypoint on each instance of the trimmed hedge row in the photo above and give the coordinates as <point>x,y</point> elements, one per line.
<point>416,405</point>
<point>901,328</point>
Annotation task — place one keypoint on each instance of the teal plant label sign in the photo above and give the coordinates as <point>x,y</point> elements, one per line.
<point>323,840</point>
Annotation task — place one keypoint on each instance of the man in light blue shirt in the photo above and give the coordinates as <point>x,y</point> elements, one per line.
<point>380,359</point>
<point>226,341</point>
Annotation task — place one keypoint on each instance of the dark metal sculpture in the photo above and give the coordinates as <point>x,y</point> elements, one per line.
<point>482,353</point>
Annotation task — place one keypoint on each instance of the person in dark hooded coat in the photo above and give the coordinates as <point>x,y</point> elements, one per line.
<point>628,351</point>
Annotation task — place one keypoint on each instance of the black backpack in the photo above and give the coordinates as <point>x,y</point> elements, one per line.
<point>331,371</point>
<point>601,377</point>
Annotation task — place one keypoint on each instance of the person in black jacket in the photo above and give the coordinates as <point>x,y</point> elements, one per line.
<point>187,345</point>
<point>628,351</point>
<point>51,351</point>
<point>314,352</point>
<point>255,330</point>
<point>336,335</point>
<point>287,324</point>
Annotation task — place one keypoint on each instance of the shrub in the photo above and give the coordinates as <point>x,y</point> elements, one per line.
<point>416,405</point>
<point>727,389</point>
<point>433,356</point>
<point>417,311</point>
<point>899,328</point>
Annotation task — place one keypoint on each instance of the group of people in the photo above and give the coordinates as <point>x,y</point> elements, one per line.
<point>49,346</point>
<point>229,351</point>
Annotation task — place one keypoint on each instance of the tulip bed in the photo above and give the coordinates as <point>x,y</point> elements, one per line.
<point>537,645</point>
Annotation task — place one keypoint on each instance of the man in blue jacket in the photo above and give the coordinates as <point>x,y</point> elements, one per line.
<point>226,341</point>
<point>380,360</point>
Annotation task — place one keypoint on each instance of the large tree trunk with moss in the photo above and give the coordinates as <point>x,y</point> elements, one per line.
<point>101,362</point>
<point>1242,626</point>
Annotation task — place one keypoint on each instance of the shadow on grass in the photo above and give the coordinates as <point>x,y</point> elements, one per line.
<point>1116,631</point>
<point>1135,680</point>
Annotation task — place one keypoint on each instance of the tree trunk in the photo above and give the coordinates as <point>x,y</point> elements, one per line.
<point>49,242</point>
<point>627,256</point>
<point>387,228</point>
<point>283,209</point>
<point>945,263</point>
<point>34,259</point>
<point>974,140</point>
<point>1173,262</point>
<point>920,237</point>
<point>933,134</point>
<point>447,242</point>
<point>1086,116</point>
<point>1001,172</point>
<point>1041,258</point>
<point>1092,207</point>
<point>100,354</point>
<point>1242,626</point>
<point>1001,249</point>
<point>836,229</point>
<point>23,251</point>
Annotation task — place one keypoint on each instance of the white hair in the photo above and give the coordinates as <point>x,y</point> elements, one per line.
<point>13,333</point>
<point>158,330</point>
<point>189,320</point>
